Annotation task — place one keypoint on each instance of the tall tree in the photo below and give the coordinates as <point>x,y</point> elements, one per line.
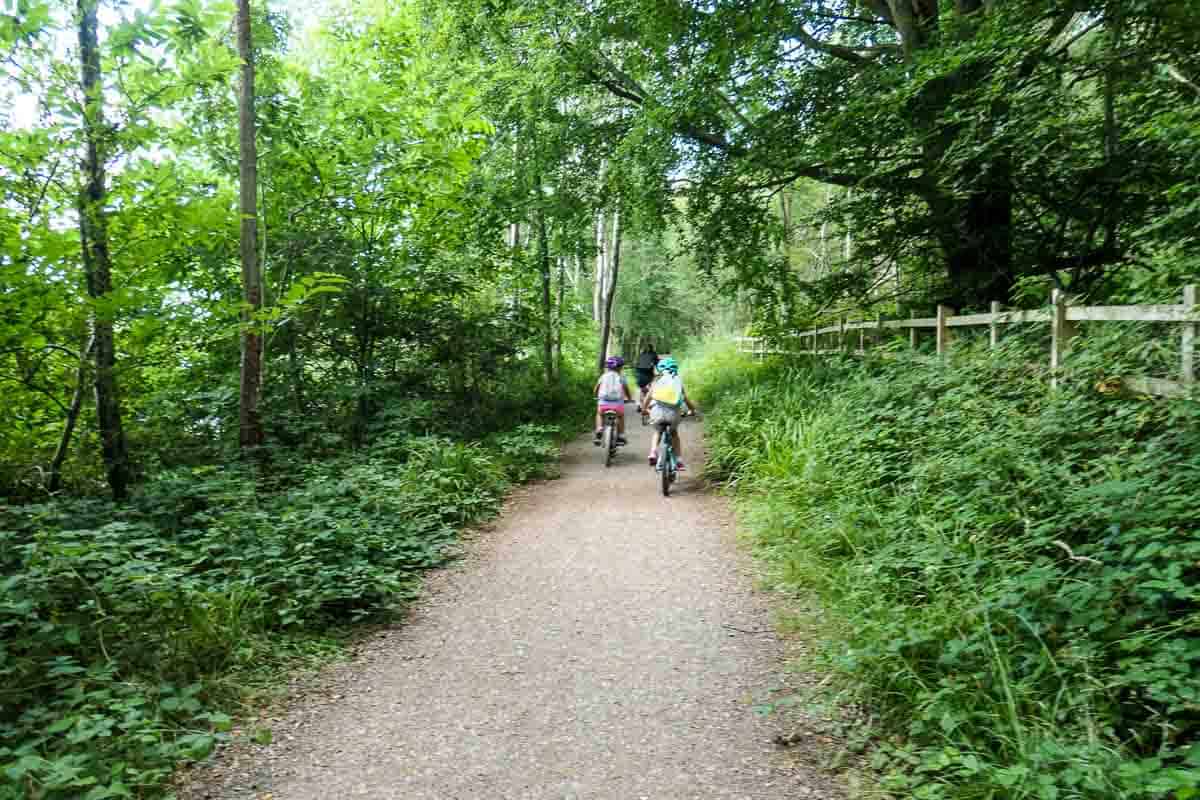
<point>250,421</point>
<point>97,262</point>
<point>545,274</point>
<point>613,268</point>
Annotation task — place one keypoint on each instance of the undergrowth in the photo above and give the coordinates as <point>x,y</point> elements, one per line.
<point>130,634</point>
<point>1008,574</point>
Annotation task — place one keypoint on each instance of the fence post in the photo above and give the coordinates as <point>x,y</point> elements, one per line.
<point>912,332</point>
<point>862,340</point>
<point>1061,333</point>
<point>842,335</point>
<point>943,333</point>
<point>814,341</point>
<point>1187,343</point>
<point>878,339</point>
<point>993,326</point>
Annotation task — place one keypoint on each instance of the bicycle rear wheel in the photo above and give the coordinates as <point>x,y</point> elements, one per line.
<point>666,461</point>
<point>609,444</point>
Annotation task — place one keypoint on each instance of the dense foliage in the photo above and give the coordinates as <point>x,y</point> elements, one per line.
<point>385,193</point>
<point>447,200</point>
<point>411,369</point>
<point>1007,574</point>
<point>959,147</point>
<point>130,633</point>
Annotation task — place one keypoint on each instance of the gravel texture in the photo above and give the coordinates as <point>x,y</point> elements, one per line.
<point>601,641</point>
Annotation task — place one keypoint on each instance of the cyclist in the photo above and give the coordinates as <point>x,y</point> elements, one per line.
<point>612,393</point>
<point>646,363</point>
<point>665,401</point>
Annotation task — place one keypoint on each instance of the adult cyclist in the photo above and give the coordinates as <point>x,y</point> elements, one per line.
<point>646,363</point>
<point>665,402</point>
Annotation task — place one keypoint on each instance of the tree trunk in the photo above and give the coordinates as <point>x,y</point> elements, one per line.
<point>364,333</point>
<point>515,244</point>
<point>296,370</point>
<point>972,207</point>
<point>64,442</point>
<point>547,302</point>
<point>250,423</point>
<point>558,337</point>
<point>610,288</point>
<point>601,271</point>
<point>978,245</point>
<point>1114,23</point>
<point>97,263</point>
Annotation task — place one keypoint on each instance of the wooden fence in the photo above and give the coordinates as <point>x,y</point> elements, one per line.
<point>1061,316</point>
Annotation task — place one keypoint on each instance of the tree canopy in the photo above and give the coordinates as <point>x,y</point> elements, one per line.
<point>974,144</point>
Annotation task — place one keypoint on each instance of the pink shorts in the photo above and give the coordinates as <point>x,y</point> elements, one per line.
<point>617,407</point>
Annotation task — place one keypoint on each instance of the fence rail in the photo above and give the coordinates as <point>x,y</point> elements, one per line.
<point>1061,316</point>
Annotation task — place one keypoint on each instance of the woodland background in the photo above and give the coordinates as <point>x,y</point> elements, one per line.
<point>290,293</point>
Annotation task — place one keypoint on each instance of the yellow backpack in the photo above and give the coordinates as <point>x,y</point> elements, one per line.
<point>668,391</point>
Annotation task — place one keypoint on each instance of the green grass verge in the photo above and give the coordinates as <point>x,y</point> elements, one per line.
<point>1009,575</point>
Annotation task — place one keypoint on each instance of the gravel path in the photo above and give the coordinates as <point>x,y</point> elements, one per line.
<point>601,642</point>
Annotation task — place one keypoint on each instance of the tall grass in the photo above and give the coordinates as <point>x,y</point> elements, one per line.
<point>1008,575</point>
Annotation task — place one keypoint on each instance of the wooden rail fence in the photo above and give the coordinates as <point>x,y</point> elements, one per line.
<point>1061,315</point>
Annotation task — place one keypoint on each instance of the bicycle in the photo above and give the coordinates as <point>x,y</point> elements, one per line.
<point>609,438</point>
<point>665,466</point>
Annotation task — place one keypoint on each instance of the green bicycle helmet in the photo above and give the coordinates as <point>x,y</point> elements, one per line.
<point>668,365</point>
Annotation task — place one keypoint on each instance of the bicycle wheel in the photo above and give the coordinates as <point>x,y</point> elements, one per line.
<point>666,462</point>
<point>609,444</point>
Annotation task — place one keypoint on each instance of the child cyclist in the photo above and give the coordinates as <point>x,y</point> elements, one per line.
<point>665,402</point>
<point>612,394</point>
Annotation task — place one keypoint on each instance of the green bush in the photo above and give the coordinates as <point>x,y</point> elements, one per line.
<point>1009,574</point>
<point>529,452</point>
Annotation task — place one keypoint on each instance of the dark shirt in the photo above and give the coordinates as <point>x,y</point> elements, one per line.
<point>647,360</point>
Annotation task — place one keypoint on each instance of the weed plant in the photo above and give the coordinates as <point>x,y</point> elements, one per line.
<point>128,635</point>
<point>1008,574</point>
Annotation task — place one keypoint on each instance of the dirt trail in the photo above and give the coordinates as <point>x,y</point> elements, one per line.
<point>603,642</point>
